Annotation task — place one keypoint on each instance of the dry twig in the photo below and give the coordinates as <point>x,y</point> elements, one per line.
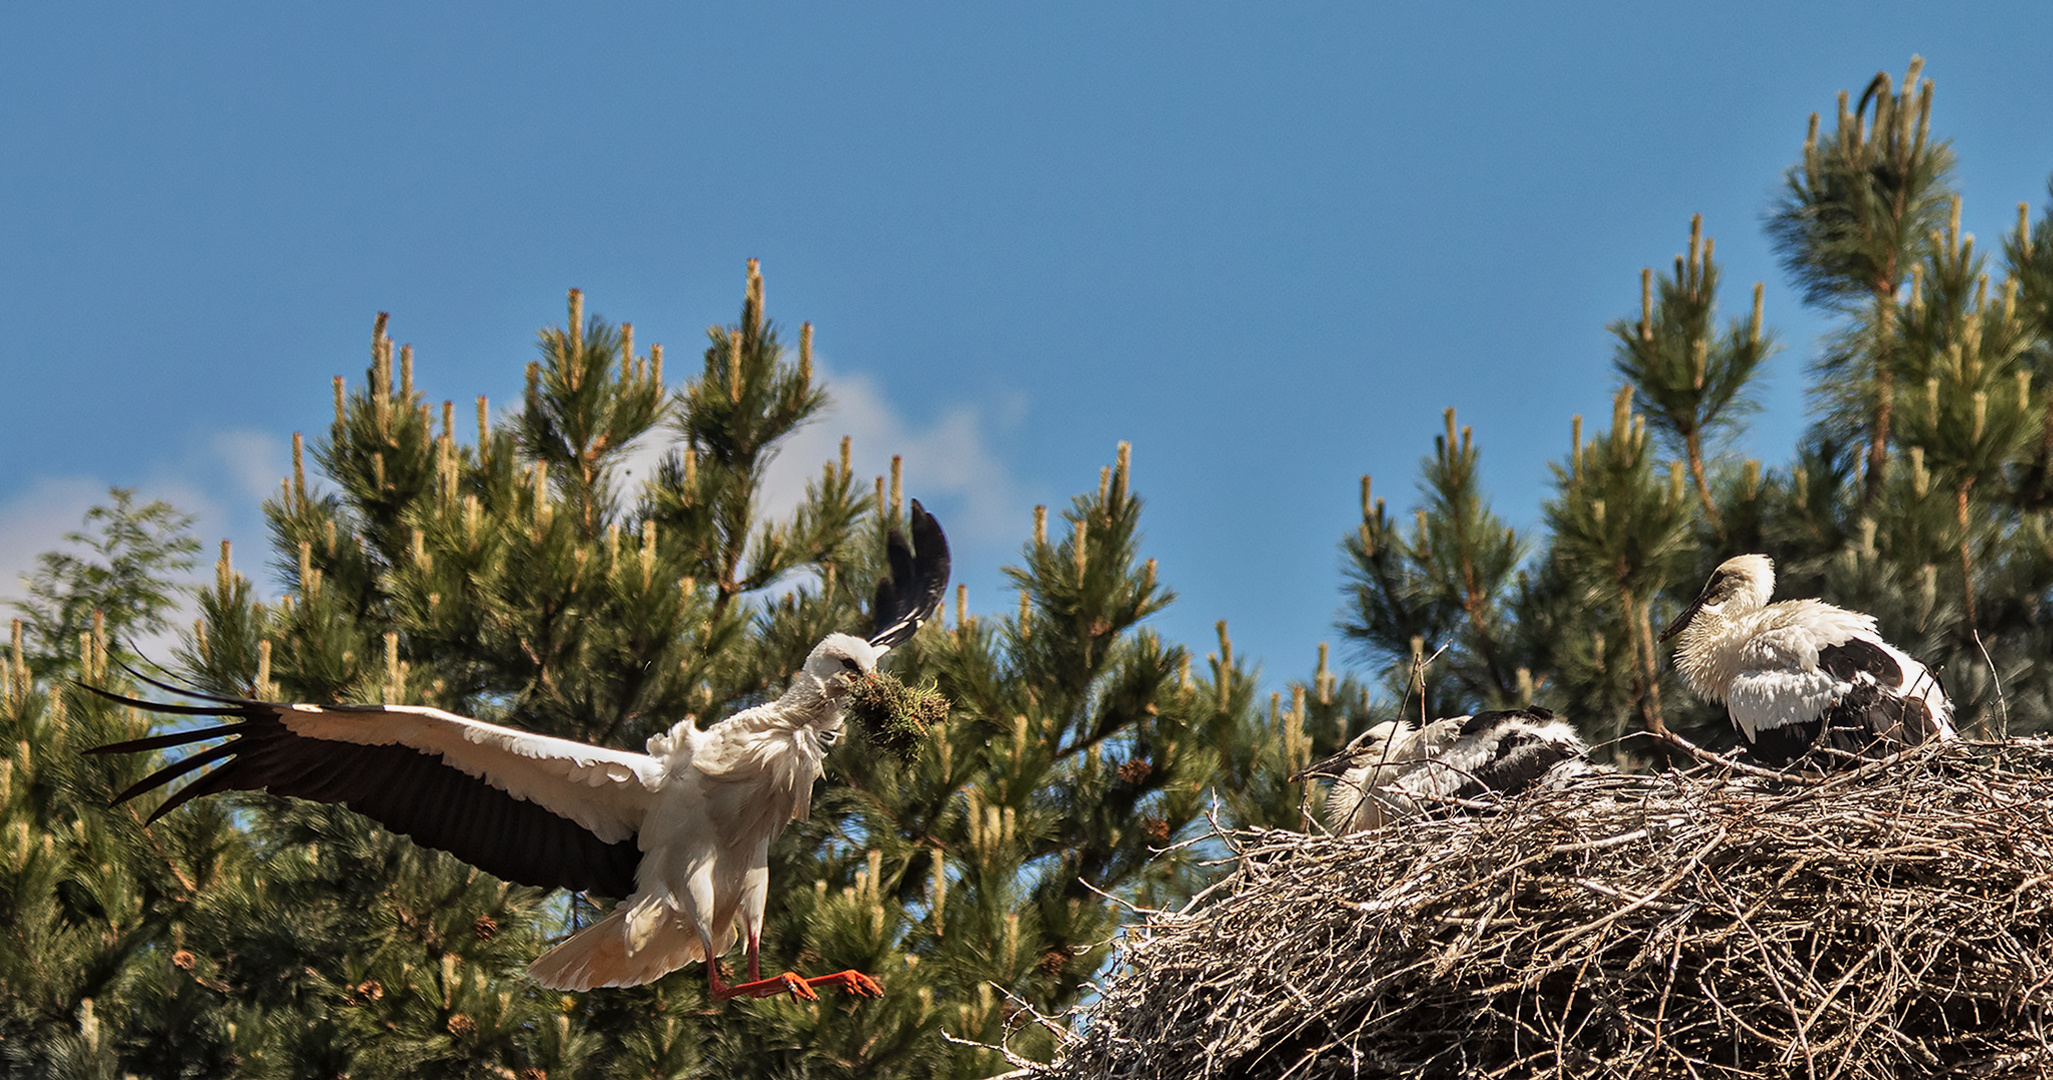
<point>1710,924</point>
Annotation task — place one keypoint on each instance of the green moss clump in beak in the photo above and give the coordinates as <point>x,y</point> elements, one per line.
<point>893,716</point>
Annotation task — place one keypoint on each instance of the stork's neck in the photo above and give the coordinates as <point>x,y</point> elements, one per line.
<point>805,703</point>
<point>1707,652</point>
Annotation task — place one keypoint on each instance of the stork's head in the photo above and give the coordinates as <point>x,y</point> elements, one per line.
<point>1382,743</point>
<point>838,659</point>
<point>1741,583</point>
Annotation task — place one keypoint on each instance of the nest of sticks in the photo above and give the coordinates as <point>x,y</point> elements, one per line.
<point>1889,921</point>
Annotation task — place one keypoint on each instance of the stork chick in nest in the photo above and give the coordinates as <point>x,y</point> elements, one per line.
<point>1393,770</point>
<point>1802,674</point>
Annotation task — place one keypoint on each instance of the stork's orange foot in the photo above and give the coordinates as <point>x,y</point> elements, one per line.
<point>787,983</point>
<point>801,989</point>
<point>854,982</point>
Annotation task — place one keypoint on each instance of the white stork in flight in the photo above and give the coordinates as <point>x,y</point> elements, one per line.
<point>681,832</point>
<point>1393,771</point>
<point>1802,674</point>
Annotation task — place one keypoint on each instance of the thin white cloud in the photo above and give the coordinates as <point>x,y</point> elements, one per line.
<point>949,458</point>
<point>35,521</point>
<point>254,460</point>
<point>220,482</point>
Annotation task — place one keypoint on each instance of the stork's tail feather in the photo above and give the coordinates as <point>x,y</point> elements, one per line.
<point>912,593</point>
<point>599,955</point>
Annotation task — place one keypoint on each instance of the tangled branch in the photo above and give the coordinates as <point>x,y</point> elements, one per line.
<point>1711,924</point>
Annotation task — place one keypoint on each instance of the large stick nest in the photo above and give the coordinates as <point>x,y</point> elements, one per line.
<point>1886,922</point>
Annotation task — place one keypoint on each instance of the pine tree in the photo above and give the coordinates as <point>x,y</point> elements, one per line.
<point>1620,535</point>
<point>1693,380</point>
<point>509,578</point>
<point>95,976</point>
<point>124,584</point>
<point>1697,384</point>
<point>1440,592</point>
<point>1857,214</point>
<point>2028,257</point>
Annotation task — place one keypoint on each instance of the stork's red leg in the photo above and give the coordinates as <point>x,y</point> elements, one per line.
<point>756,986</point>
<point>786,983</point>
<point>854,982</point>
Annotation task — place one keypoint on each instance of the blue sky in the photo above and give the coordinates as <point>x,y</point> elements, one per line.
<point>1268,244</point>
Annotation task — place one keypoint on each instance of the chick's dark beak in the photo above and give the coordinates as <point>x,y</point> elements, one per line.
<point>1331,768</point>
<point>1681,620</point>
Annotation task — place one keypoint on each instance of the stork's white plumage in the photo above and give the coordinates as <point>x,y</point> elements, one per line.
<point>1802,674</point>
<point>681,832</point>
<point>1393,770</point>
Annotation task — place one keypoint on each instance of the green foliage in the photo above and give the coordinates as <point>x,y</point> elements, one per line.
<point>1859,212</point>
<point>894,716</point>
<point>1620,532</point>
<point>121,587</point>
<point>1921,494</point>
<point>95,969</point>
<point>1693,381</point>
<point>507,577</point>
<point>1860,205</point>
<point>1446,584</point>
<point>2029,255</point>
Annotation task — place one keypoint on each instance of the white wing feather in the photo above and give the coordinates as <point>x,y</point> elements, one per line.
<point>1759,700</point>
<point>1779,682</point>
<point>606,791</point>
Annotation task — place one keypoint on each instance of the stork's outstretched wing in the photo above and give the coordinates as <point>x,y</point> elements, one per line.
<point>528,808</point>
<point>919,578</point>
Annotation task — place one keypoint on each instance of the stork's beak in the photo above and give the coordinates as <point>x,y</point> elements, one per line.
<point>1331,768</point>
<point>1681,620</point>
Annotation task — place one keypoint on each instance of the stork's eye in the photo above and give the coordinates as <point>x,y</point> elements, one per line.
<point>829,738</point>
<point>849,663</point>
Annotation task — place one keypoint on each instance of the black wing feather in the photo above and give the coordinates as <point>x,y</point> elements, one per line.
<point>406,790</point>
<point>919,579</point>
<point>1866,723</point>
<point>1855,657</point>
<point>169,773</point>
<point>1875,717</point>
<point>1522,759</point>
<point>176,738</point>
